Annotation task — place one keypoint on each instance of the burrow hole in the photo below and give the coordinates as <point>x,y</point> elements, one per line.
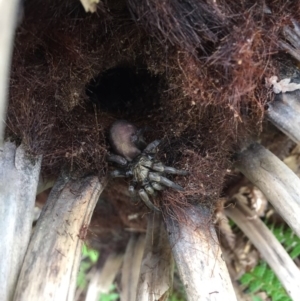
<point>125,91</point>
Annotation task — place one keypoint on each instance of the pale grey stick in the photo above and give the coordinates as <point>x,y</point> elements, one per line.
<point>44,185</point>
<point>19,175</point>
<point>198,256</point>
<point>8,22</point>
<point>156,276</point>
<point>284,113</point>
<point>278,183</point>
<point>52,260</point>
<point>132,266</point>
<point>268,246</point>
<point>103,278</point>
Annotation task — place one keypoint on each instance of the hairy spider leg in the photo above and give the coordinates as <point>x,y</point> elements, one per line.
<point>149,189</point>
<point>145,198</point>
<point>138,138</point>
<point>158,166</point>
<point>117,159</point>
<point>169,170</point>
<point>151,147</point>
<point>120,173</point>
<point>153,176</point>
<point>157,186</point>
<point>131,188</point>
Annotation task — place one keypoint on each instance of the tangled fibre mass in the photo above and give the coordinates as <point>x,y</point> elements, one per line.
<point>192,71</point>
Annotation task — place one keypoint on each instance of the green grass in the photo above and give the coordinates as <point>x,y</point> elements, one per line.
<point>89,257</point>
<point>261,278</point>
<point>111,296</point>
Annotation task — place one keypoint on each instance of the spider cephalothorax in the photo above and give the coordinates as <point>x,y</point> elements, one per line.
<point>137,160</point>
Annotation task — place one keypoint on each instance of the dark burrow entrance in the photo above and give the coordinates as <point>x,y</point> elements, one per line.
<point>125,92</point>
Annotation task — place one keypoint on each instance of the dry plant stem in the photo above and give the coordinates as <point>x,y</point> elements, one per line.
<point>198,256</point>
<point>292,35</point>
<point>52,260</point>
<point>156,276</point>
<point>132,266</point>
<point>89,5</point>
<point>278,183</point>
<point>290,49</point>
<point>44,185</point>
<point>8,22</point>
<point>103,278</point>
<point>268,246</point>
<point>284,113</point>
<point>19,177</point>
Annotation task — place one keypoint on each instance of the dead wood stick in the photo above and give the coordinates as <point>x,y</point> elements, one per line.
<point>156,276</point>
<point>44,185</point>
<point>284,113</point>
<point>8,23</point>
<point>291,43</point>
<point>198,256</point>
<point>278,183</point>
<point>103,278</point>
<point>52,260</point>
<point>268,246</point>
<point>89,5</point>
<point>132,266</point>
<point>290,49</point>
<point>19,175</point>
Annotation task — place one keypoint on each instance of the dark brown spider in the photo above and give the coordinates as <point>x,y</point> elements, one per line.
<point>137,160</point>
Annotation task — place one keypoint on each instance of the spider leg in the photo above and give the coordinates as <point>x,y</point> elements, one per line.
<point>145,198</point>
<point>167,169</point>
<point>117,159</point>
<point>131,188</point>
<point>149,189</point>
<point>157,186</point>
<point>153,176</point>
<point>138,138</point>
<point>151,147</point>
<point>158,166</point>
<point>120,173</point>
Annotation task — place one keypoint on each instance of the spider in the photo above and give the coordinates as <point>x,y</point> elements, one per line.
<point>136,159</point>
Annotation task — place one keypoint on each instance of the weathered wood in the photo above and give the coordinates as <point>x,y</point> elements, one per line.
<point>291,43</point>
<point>278,183</point>
<point>89,5</point>
<point>53,256</point>
<point>19,176</point>
<point>44,185</point>
<point>157,269</point>
<point>132,266</point>
<point>8,21</point>
<point>284,113</point>
<point>103,278</point>
<point>268,246</point>
<point>198,257</point>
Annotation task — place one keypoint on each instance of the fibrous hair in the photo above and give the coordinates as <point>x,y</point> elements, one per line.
<point>191,70</point>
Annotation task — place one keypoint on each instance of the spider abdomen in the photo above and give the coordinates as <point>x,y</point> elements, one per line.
<point>122,135</point>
